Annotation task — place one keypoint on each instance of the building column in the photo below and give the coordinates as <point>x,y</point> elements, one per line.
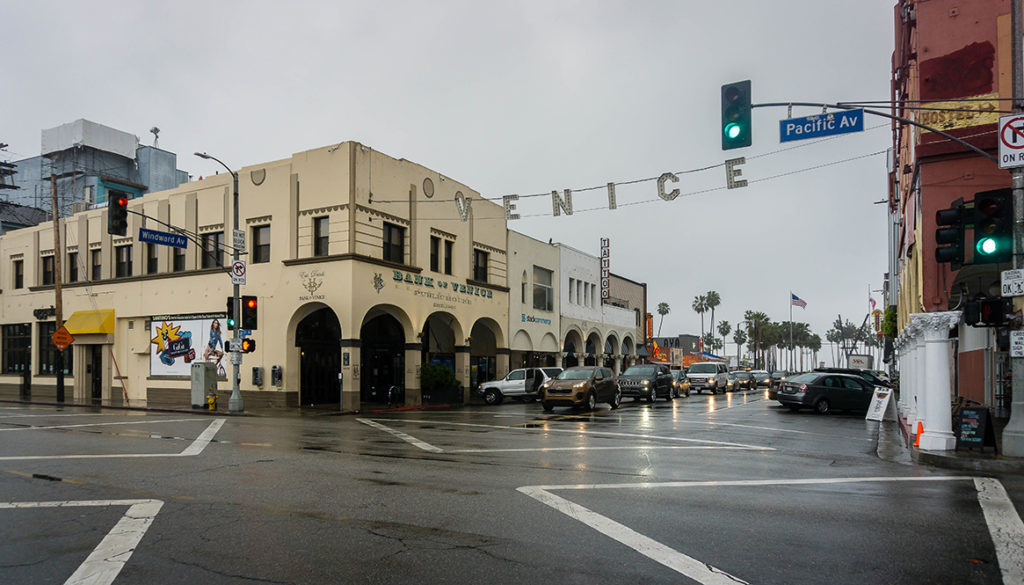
<point>938,415</point>
<point>413,364</point>
<point>900,350</point>
<point>462,370</point>
<point>913,376</point>
<point>618,364</point>
<point>501,362</point>
<point>917,408</point>
<point>350,375</point>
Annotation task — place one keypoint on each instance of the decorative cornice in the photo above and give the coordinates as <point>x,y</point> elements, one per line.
<point>934,325</point>
<point>392,218</point>
<point>489,248</point>
<point>323,210</point>
<point>442,234</point>
<point>211,229</point>
<point>260,219</point>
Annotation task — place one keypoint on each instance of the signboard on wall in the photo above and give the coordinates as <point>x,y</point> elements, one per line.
<point>605,270</point>
<point>176,342</point>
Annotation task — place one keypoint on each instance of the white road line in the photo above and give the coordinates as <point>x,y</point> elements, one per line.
<point>102,566</point>
<point>135,422</point>
<point>401,435</point>
<point>195,448</point>
<point>1004,524</point>
<point>51,415</point>
<point>622,448</point>
<point>580,432</point>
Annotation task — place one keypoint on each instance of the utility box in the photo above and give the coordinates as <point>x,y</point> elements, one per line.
<point>204,378</point>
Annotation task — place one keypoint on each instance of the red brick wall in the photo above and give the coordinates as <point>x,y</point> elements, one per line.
<point>971,375</point>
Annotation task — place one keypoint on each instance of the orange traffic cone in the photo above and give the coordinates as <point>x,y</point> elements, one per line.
<point>920,431</point>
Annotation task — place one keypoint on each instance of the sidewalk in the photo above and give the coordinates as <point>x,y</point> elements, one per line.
<point>894,445</point>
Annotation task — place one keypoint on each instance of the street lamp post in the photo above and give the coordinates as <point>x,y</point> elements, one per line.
<point>235,402</point>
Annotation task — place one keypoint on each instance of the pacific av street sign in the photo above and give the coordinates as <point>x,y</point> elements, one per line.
<point>165,238</point>
<point>820,125</point>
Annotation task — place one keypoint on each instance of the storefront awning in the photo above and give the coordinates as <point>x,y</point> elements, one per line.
<point>89,322</point>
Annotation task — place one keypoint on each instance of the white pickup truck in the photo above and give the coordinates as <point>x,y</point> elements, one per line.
<point>522,383</point>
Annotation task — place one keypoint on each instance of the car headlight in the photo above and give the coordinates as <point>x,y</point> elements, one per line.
<point>647,382</point>
<point>580,386</point>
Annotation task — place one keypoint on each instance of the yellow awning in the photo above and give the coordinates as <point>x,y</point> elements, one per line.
<point>87,322</point>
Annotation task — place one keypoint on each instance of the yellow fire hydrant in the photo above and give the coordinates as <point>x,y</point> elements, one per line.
<point>211,399</point>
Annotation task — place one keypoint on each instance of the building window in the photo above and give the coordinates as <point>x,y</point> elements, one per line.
<point>572,291</point>
<point>480,265</point>
<point>96,262</point>
<point>448,247</point>
<point>17,346</point>
<point>123,261</point>
<point>19,273</point>
<point>47,270</point>
<point>435,253</point>
<point>178,259</point>
<point>151,259</point>
<point>543,292</point>
<point>72,266</point>
<point>394,243</point>
<point>213,245</point>
<point>321,236</point>
<point>48,351</point>
<point>261,244</point>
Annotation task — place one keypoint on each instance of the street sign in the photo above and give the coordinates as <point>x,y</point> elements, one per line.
<point>163,238</point>
<point>62,338</point>
<point>238,272</point>
<point>821,125</point>
<point>238,239</point>
<point>1017,344</point>
<point>1013,283</point>
<point>1011,141</point>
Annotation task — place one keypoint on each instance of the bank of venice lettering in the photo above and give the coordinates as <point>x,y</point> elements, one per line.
<point>416,279</point>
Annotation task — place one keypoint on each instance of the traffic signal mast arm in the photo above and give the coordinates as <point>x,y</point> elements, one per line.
<point>192,236</point>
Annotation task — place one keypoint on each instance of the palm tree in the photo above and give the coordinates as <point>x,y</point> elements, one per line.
<point>757,331</point>
<point>700,305</point>
<point>662,310</point>
<point>739,338</point>
<point>712,300</point>
<point>723,329</point>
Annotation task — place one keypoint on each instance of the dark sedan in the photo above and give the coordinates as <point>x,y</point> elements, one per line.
<point>582,386</point>
<point>825,392</point>
<point>742,379</point>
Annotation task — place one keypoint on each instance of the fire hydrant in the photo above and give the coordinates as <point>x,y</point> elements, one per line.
<point>211,399</point>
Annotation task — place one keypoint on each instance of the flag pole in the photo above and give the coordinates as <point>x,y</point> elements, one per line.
<point>791,329</point>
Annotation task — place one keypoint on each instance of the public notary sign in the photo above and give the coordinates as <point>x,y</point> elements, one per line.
<point>164,238</point>
<point>1011,141</point>
<point>821,125</point>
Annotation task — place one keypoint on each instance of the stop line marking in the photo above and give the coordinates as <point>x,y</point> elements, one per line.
<point>104,563</point>
<point>195,448</point>
<point>1004,524</point>
<point>702,443</point>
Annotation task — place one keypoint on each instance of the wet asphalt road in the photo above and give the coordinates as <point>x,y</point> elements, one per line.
<point>703,489</point>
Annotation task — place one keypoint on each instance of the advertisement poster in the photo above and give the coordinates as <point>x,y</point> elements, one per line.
<point>177,341</point>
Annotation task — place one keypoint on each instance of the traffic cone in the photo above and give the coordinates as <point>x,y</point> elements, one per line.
<point>920,431</point>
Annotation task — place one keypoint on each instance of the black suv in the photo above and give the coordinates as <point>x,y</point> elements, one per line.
<point>650,381</point>
<point>866,374</point>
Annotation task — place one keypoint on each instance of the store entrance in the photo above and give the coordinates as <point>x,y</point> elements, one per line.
<point>382,358</point>
<point>318,338</point>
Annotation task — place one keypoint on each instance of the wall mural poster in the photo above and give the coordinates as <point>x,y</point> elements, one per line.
<point>176,343</point>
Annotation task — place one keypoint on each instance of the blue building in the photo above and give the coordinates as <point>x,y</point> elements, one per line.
<point>90,162</point>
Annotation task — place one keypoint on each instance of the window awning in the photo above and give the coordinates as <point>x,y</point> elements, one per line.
<point>89,322</point>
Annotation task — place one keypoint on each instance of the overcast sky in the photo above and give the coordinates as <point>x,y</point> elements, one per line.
<point>517,97</point>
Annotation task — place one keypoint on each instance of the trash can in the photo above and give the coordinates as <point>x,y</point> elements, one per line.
<point>204,379</point>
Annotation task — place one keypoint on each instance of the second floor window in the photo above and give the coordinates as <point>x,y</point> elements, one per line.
<point>261,244</point>
<point>179,259</point>
<point>448,247</point>
<point>435,253</point>
<point>212,249</point>
<point>72,266</point>
<point>543,292</point>
<point>151,259</point>
<point>123,261</point>
<point>19,273</point>
<point>321,236</point>
<point>47,270</point>
<point>95,264</point>
<point>394,243</point>
<point>480,265</point>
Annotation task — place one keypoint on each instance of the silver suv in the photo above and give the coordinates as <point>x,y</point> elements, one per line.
<point>522,383</point>
<point>711,376</point>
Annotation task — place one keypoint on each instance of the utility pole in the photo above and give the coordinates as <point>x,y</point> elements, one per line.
<point>1013,434</point>
<point>59,301</point>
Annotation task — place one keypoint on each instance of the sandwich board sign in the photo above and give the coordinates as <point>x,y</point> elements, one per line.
<point>882,407</point>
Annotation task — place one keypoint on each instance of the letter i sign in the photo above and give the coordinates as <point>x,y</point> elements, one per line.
<point>1011,141</point>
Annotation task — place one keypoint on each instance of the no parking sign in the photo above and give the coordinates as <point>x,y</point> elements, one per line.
<point>1011,141</point>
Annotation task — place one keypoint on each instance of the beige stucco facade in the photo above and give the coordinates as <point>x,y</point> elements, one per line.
<point>330,299</point>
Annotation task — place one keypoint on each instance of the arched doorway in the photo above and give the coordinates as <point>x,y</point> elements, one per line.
<point>318,337</point>
<point>483,365</point>
<point>382,357</point>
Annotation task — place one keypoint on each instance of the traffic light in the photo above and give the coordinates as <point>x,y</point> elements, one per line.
<point>117,214</point>
<point>231,313</point>
<point>993,226</point>
<point>987,311</point>
<point>248,345</point>
<point>249,310</point>
<point>949,237</point>
<point>736,115</point>
<point>972,312</point>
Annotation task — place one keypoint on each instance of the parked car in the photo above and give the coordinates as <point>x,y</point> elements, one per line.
<point>742,379</point>
<point>868,375</point>
<point>774,379</point>
<point>761,377</point>
<point>680,382</point>
<point>650,381</point>
<point>826,391</point>
<point>523,383</point>
<point>711,376</point>
<point>581,386</point>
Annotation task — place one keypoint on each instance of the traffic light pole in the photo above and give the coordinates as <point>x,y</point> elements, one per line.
<point>1013,434</point>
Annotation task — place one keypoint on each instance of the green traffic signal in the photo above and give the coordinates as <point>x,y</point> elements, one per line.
<point>993,226</point>
<point>736,115</point>
<point>987,246</point>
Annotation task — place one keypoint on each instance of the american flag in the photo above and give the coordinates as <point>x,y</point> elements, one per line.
<point>795,300</point>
